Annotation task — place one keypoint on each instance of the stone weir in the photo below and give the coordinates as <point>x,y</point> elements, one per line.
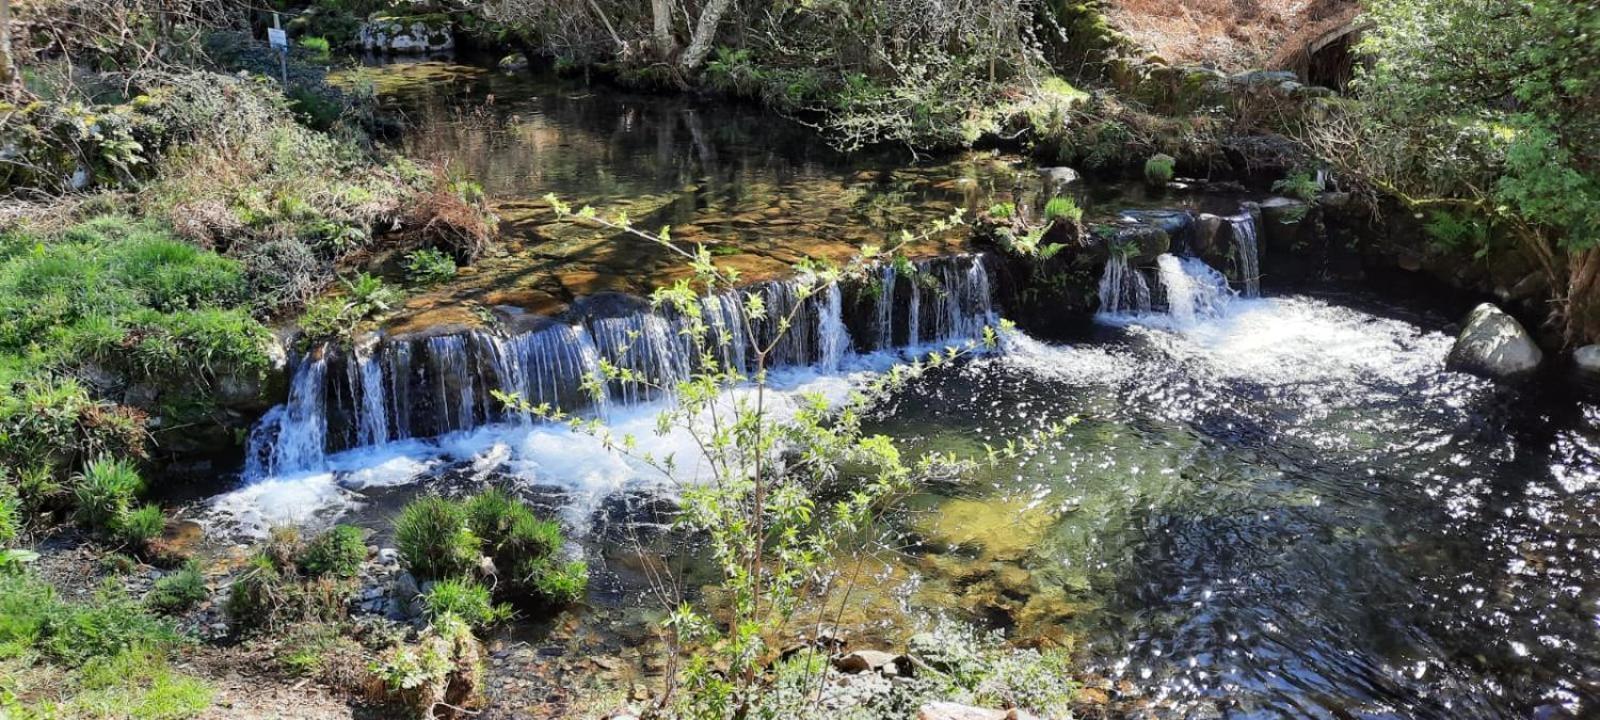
<point>431,384</point>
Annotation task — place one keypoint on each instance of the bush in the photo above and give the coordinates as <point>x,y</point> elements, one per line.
<point>434,540</point>
<point>524,548</point>
<point>271,594</point>
<point>429,266</point>
<point>178,591</point>
<point>465,600</point>
<point>104,492</point>
<point>339,551</point>
<point>1158,170</point>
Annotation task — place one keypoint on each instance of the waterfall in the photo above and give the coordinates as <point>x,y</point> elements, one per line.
<point>455,402</point>
<point>1246,256</point>
<point>1193,289</point>
<point>885,307</point>
<point>427,387</point>
<point>832,335</point>
<point>1123,289</point>
<point>294,436</point>
<point>373,419</point>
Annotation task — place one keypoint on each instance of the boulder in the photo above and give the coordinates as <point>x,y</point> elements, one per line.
<point>1494,345</point>
<point>957,711</point>
<point>420,34</point>
<point>1059,177</point>
<point>1586,363</point>
<point>862,661</point>
<point>514,63</point>
<point>1205,233</point>
<point>1281,219</point>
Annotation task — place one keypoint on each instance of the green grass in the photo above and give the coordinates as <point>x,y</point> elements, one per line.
<point>466,600</point>
<point>434,540</point>
<point>1062,208</point>
<point>339,551</point>
<point>178,591</point>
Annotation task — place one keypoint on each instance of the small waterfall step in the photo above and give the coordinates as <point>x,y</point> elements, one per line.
<point>424,387</point>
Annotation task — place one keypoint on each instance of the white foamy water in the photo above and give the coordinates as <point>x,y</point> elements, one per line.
<point>543,454</point>
<point>1299,339</point>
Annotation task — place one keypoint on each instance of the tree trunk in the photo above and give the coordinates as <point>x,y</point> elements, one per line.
<point>661,12</point>
<point>1583,299</point>
<point>705,33</point>
<point>8,65</point>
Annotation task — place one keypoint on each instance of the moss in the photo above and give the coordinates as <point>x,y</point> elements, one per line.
<point>1158,170</point>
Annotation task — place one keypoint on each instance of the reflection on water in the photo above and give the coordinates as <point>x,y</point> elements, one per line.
<point>761,190</point>
<point>1290,510</point>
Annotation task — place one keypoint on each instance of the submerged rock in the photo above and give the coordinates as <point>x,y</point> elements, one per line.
<point>1494,345</point>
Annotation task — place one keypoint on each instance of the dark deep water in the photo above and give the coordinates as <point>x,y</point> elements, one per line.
<point>1285,507</point>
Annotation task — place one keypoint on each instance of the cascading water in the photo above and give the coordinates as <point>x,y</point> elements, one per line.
<point>1123,288</point>
<point>1246,255</point>
<point>293,436</point>
<point>1193,289</point>
<point>373,412</point>
<point>455,400</point>
<point>885,307</point>
<point>441,385</point>
<point>833,336</point>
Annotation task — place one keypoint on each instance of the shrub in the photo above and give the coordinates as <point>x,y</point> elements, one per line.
<point>1158,170</point>
<point>434,540</point>
<point>178,591</point>
<point>138,527</point>
<point>104,492</point>
<point>464,599</point>
<point>1063,208</point>
<point>429,266</point>
<point>317,47</point>
<point>444,666</point>
<point>1002,211</point>
<point>524,548</point>
<point>339,551</point>
<point>1301,185</point>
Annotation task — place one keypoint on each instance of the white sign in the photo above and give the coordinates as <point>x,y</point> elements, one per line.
<point>278,38</point>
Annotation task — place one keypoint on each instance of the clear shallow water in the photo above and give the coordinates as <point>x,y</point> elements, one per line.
<point>1290,510</point>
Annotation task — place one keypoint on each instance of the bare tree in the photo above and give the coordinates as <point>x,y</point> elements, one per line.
<point>8,65</point>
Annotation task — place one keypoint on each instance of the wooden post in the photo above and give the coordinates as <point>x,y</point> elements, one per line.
<point>283,53</point>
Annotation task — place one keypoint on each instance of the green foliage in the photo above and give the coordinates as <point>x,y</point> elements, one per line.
<point>105,492</point>
<point>434,540</point>
<point>1063,208</point>
<point>335,318</point>
<point>1002,211</point>
<point>1458,231</point>
<point>137,527</point>
<point>464,599</point>
<point>178,591</point>
<point>1158,170</point>
<point>338,551</point>
<point>271,594</point>
<point>316,47</point>
<point>429,266</point>
<point>34,619</point>
<point>139,684</point>
<point>557,583</point>
<point>1301,185</point>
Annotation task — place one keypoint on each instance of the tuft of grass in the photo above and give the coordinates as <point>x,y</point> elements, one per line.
<point>434,539</point>
<point>104,491</point>
<point>138,683</point>
<point>466,600</point>
<point>1158,170</point>
<point>137,528</point>
<point>1063,208</point>
<point>178,591</point>
<point>339,551</point>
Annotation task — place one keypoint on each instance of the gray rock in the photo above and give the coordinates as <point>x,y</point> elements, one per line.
<point>405,587</point>
<point>406,35</point>
<point>1060,176</point>
<point>1205,232</point>
<point>1494,345</point>
<point>1586,362</point>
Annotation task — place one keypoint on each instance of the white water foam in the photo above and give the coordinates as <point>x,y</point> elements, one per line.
<point>544,454</point>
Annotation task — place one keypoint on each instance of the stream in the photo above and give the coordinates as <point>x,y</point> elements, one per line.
<point>1269,507</point>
